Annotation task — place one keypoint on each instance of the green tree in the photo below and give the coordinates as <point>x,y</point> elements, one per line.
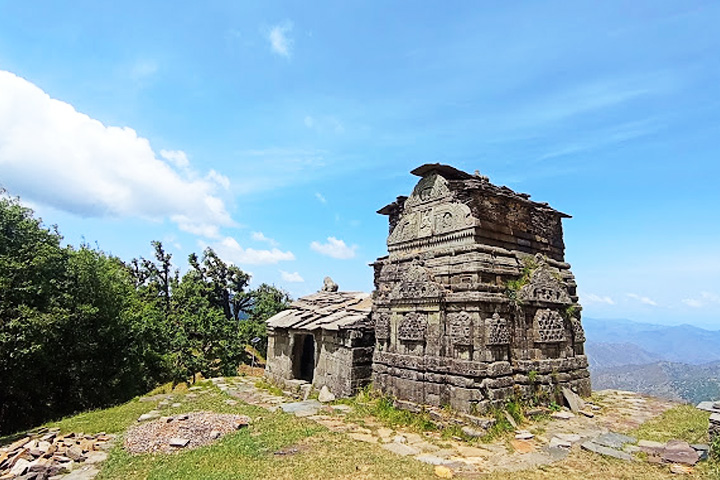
<point>207,305</point>
<point>265,301</point>
<point>33,278</point>
<point>73,334</point>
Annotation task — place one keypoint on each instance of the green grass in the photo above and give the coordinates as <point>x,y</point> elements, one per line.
<point>250,452</point>
<point>683,422</point>
<point>246,454</point>
<point>269,387</point>
<point>371,403</point>
<point>118,419</point>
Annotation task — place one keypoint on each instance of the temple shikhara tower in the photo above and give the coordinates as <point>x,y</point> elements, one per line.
<point>474,302</point>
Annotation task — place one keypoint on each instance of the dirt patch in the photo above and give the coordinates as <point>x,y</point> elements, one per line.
<point>182,432</point>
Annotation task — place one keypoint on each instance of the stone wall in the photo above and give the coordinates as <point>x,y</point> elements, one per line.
<point>342,360</point>
<point>714,429</point>
<point>474,303</point>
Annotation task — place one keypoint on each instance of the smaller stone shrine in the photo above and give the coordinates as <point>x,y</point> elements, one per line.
<point>323,339</point>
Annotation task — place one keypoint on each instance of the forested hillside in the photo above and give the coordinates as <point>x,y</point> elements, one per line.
<point>81,329</point>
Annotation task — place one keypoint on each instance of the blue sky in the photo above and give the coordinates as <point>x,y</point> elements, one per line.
<point>273,131</point>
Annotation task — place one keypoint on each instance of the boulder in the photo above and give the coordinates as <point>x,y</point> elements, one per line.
<point>326,396</point>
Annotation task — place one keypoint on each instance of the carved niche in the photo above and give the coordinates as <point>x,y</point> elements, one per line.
<point>416,284</point>
<point>382,326</point>
<point>544,288</point>
<point>460,328</point>
<point>452,216</point>
<point>549,326</point>
<point>412,327</point>
<point>578,331</point>
<point>498,331</point>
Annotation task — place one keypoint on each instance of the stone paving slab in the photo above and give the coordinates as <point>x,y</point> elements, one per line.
<point>305,408</point>
<point>401,448</point>
<point>607,451</point>
<point>613,440</point>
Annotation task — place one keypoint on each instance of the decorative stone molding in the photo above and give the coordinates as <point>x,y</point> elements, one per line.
<point>417,284</point>
<point>460,328</point>
<point>578,331</point>
<point>548,326</point>
<point>432,187</point>
<point>498,331</point>
<point>412,327</point>
<point>544,288</point>
<point>382,326</point>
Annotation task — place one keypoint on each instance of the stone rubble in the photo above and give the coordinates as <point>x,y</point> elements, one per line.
<point>47,453</point>
<point>182,432</point>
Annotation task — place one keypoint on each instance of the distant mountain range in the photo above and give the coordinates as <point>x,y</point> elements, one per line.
<point>681,343</point>
<point>674,381</point>
<point>675,362</point>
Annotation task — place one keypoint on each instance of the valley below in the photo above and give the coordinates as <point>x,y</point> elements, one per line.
<point>680,363</point>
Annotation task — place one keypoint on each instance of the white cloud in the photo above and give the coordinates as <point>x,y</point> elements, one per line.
<point>279,39</point>
<point>219,179</point>
<point>320,197</point>
<point>706,298</point>
<point>591,298</point>
<point>291,277</point>
<point>260,237</point>
<point>54,155</point>
<point>692,302</point>
<point>643,300</point>
<point>309,122</point>
<point>334,248</point>
<point>230,250</point>
<point>177,157</point>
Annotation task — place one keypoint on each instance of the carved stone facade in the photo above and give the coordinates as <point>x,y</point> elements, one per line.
<point>473,296</point>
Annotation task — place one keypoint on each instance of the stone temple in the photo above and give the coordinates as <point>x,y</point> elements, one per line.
<point>473,304</point>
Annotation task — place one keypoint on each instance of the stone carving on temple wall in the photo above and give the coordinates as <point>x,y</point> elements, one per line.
<point>432,187</point>
<point>452,216</point>
<point>406,229</point>
<point>412,327</point>
<point>498,331</point>
<point>460,328</point>
<point>549,326</point>
<point>440,219</point>
<point>425,229</point>
<point>382,326</point>
<point>544,287</point>
<point>578,331</point>
<point>417,284</point>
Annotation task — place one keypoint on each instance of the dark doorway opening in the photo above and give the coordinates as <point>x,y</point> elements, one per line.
<point>304,357</point>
